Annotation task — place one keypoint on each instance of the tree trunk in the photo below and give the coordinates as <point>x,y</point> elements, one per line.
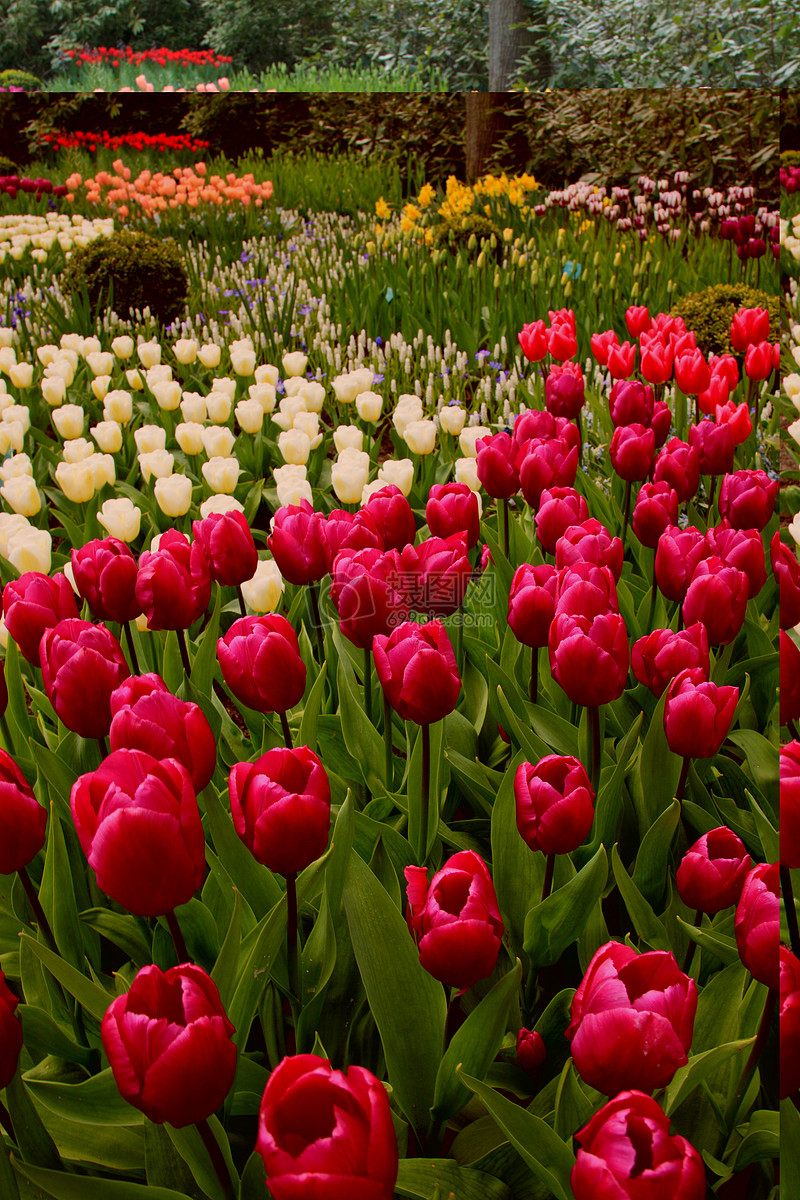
<point>508,36</point>
<point>481,125</point>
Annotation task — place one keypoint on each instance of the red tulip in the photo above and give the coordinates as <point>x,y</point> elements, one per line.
<point>626,1153</point>
<point>555,803</point>
<point>586,589</point>
<point>559,507</point>
<point>657,658</point>
<point>561,341</point>
<point>495,466</point>
<point>712,871</point>
<point>33,603</point>
<point>692,373</point>
<point>393,516</point>
<point>173,585</point>
<point>630,402</point>
<point>787,572</point>
<point>589,657</point>
<point>749,327</point>
<point>148,717</point>
<point>369,592</point>
<point>737,417</point>
<point>326,1134</point>
<point>717,393</point>
<point>533,340</point>
<point>454,508</point>
<point>632,452</point>
<point>298,544</point>
<point>637,320</point>
<point>82,664</point>
<point>622,360</point>
<point>229,547</point>
<point>757,925</point>
<point>105,573</point>
<point>531,1050</point>
<point>417,670</point>
<point>742,549</point>
<point>677,554</point>
<point>590,542</point>
<point>351,531</point>
<point>789,678</point>
<point>714,446</point>
<point>168,1041</point>
<point>717,596</point>
<point>455,919</point>
<point>657,361</point>
<point>139,826</point>
<point>679,465</point>
<point>281,807</point>
<point>790,805</point>
<point>531,603</point>
<point>747,499</point>
<point>261,664</point>
<point>564,394</point>
<point>22,819</point>
<point>602,343</point>
<point>632,1019</point>
<point>697,714</point>
<point>758,362</point>
<point>437,573</point>
<point>10,1034</point>
<point>655,509</point>
<point>788,1022</point>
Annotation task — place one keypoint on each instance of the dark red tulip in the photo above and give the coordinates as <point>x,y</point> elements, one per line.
<point>139,826</point>
<point>590,542</point>
<point>281,807</point>
<point>369,592</point>
<point>495,466</point>
<point>82,664</point>
<point>713,870</point>
<point>655,509</point>
<point>757,925</point>
<point>229,547</point>
<point>298,544</point>
<point>632,1019</point>
<point>23,821</point>
<point>33,603</point>
<point>790,805</point>
<point>586,589</point>
<point>677,554</point>
<point>630,402</point>
<point>454,508</point>
<point>105,573</point>
<point>626,1152</point>
<point>717,596</point>
<point>747,499</point>
<point>393,516</point>
<point>657,658</point>
<point>742,549</point>
<point>351,531</point>
<point>10,1034</point>
<point>554,802</point>
<point>788,1022</point>
<point>787,572</point>
<point>632,452</point>
<point>326,1134</point>
<point>589,657</point>
<point>455,919</point>
<point>531,1050</point>
<point>679,465</point>
<point>564,394</point>
<point>437,573</point>
<point>714,445</point>
<point>173,585</point>
<point>150,718</point>
<point>169,1044</point>
<point>531,603</point>
<point>789,678</point>
<point>559,507</point>
<point>417,670</point>
<point>698,714</point>
<point>546,464</point>
<point>260,661</point>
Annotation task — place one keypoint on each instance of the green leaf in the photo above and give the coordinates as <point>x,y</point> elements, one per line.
<point>264,943</point>
<point>723,947</point>
<point>659,770</point>
<point>547,1155</point>
<point>516,870</point>
<point>573,1106</point>
<point>57,894</point>
<point>437,1178</point>
<point>8,1180</point>
<point>697,1070</point>
<point>205,660</point>
<point>360,736</point>
<point>164,1167</point>
<point>56,771</point>
<point>224,972</point>
<point>44,1036</point>
<point>121,929</point>
<point>258,885</point>
<point>83,1187</point>
<point>17,703</point>
<point>189,1144</point>
<point>647,925</point>
<point>558,921</point>
<point>475,1044</point>
<point>767,833</point>
<point>93,998</point>
<point>422,840</point>
<point>96,1101</point>
<point>760,757</point>
<point>650,871</point>
<point>308,723</point>
<point>790,1150</point>
<point>761,1139</point>
<point>411,1031</point>
<point>528,741</point>
<point>35,1143</point>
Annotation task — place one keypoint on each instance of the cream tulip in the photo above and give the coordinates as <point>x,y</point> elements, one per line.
<point>100,387</point>
<point>90,345</point>
<point>209,355</point>
<point>452,418</point>
<point>47,354</point>
<point>264,592</point>
<point>224,383</point>
<point>294,386</point>
<point>314,395</point>
<point>12,436</point>
<point>76,480</point>
<point>150,437</point>
<point>218,406</point>
<point>347,436</point>
<point>103,469</point>
<point>185,350</point>
<point>243,361</point>
<point>289,408</point>
<point>121,518</point>
<point>295,446</point>
<point>292,485</point>
<point>108,435</point>
<point>160,373</point>
<point>18,412</point>
<point>77,449</point>
<point>10,523</point>
<point>54,390</point>
<point>18,464</point>
<point>420,436</point>
<point>167,394</point>
<point>220,503</point>
<point>222,474</point>
<point>156,464</point>
<point>349,474</point>
<point>8,357</point>
<point>267,373</point>
<point>250,416</point>
<point>308,422</point>
<point>135,381</point>
<point>217,441</point>
<point>294,364</point>
<point>466,471</point>
<point>21,375</point>
<point>174,495</point>
<point>369,406</point>
<point>68,421</point>
<point>100,362</point>
<point>118,406</point>
<point>63,368</point>
<point>348,385</point>
<point>193,407</point>
<point>408,409</point>
<point>469,436</point>
<point>149,353</point>
<point>399,471</point>
<point>30,550</point>
<point>122,346</point>
<point>265,394</point>
<point>189,436</point>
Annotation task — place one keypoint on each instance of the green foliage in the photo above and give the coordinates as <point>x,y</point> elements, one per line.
<point>20,79</point>
<point>709,313</point>
<point>142,271</point>
<point>257,33</point>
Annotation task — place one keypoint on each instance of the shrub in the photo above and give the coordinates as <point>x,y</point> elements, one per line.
<point>459,232</point>
<point>139,270</point>
<point>20,79</point>
<point>710,312</point>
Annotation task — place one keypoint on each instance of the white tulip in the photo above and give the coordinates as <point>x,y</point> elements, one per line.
<point>263,593</point>
<point>54,390</point>
<point>77,449</point>
<point>68,421</point>
<point>108,435</point>
<point>121,518</point>
<point>292,485</point>
<point>452,418</point>
<point>76,480</point>
<point>209,355</point>
<point>193,407</point>
<point>295,446</point>
<point>408,409</point>
<point>217,441</point>
<point>118,406</point>
<point>189,436</point>
<point>467,472</point>
<point>149,353</point>
<point>218,406</point>
<point>347,436</point>
<point>167,394</point>
<point>349,474</point>
<point>122,346</point>
<point>150,437</point>
<point>295,363</point>
<point>399,471</point>
<point>264,393</point>
<point>220,503</point>
<point>18,464</point>
<point>174,494</point>
<point>369,405</point>
<point>156,464</point>
<point>267,373</point>
<point>250,415</point>
<point>314,395</point>
<point>100,362</point>
<point>222,474</point>
<point>185,350</point>
<point>420,436</point>
<point>469,436</point>
<point>30,550</point>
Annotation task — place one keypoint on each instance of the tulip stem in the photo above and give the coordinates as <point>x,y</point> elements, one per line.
<point>425,791</point>
<point>287,733</point>
<point>131,647</point>
<point>453,1007</point>
<point>626,512</point>
<point>711,496</point>
<point>368,682</point>
<point>217,1159</point>
<point>594,731</point>
<point>387,740</point>
<point>791,911</point>
<point>548,876</point>
<point>752,1062</point>
<point>6,732</point>
<point>177,937</point>
<point>38,911</point>
<point>653,596</point>
<point>314,592</point>
<point>687,962</point>
<point>687,762</point>
<point>505,527</point>
<point>534,686</point>
<point>187,666</point>
<point>6,1122</point>
<point>291,934</point>
<point>240,596</point>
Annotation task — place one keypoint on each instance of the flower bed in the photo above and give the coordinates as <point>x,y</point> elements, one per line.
<point>395,710</point>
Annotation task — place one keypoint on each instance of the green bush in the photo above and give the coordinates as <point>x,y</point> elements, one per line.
<point>710,312</point>
<point>20,79</point>
<point>134,270</point>
<point>467,232</point>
